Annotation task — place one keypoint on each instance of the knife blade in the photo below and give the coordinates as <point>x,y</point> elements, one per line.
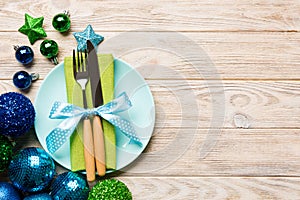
<point>97,98</point>
<point>94,75</point>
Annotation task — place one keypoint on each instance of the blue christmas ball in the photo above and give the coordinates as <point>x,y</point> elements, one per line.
<point>16,114</point>
<point>71,186</point>
<point>43,196</point>
<point>24,55</point>
<point>22,80</point>
<point>31,170</point>
<point>7,191</point>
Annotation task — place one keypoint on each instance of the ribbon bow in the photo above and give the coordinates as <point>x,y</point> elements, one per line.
<point>73,114</point>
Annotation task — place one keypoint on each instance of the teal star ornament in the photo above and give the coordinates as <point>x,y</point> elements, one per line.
<point>87,34</point>
<point>33,28</point>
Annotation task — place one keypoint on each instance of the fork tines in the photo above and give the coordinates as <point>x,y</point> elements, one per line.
<point>79,61</point>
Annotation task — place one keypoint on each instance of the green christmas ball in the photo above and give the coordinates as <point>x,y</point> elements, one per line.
<point>110,189</point>
<point>49,48</point>
<point>6,152</point>
<point>61,22</point>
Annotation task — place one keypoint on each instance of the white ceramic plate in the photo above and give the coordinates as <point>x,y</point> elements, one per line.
<point>141,114</point>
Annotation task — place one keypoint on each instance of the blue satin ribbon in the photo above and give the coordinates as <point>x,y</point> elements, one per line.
<point>73,114</point>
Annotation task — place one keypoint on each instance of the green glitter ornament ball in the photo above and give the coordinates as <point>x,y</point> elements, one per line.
<point>6,152</point>
<point>110,189</point>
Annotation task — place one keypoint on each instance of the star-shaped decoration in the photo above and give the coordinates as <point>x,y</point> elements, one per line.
<point>33,28</point>
<point>87,34</point>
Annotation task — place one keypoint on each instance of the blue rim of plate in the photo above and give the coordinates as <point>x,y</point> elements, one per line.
<point>125,155</point>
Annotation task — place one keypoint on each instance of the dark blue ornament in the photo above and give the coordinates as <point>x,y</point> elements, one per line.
<point>43,196</point>
<point>7,191</point>
<point>17,114</point>
<point>71,186</point>
<point>22,80</point>
<point>31,170</point>
<point>24,54</point>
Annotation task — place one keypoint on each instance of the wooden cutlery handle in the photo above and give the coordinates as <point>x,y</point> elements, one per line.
<point>99,146</point>
<point>88,150</point>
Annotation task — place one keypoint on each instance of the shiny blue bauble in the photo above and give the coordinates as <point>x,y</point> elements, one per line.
<point>43,196</point>
<point>7,191</point>
<point>71,186</point>
<point>22,80</point>
<point>31,170</point>
<point>24,55</point>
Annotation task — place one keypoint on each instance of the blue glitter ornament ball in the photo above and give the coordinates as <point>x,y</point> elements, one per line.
<point>16,114</point>
<point>7,191</point>
<point>31,170</point>
<point>70,185</point>
<point>24,55</point>
<point>43,196</point>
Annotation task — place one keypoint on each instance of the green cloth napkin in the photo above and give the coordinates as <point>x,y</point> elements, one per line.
<point>74,95</point>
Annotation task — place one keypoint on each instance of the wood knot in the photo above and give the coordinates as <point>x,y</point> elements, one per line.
<point>241,121</point>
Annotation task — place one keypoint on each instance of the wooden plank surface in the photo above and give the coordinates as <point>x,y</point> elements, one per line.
<point>214,15</point>
<point>228,56</point>
<point>214,188</point>
<point>225,80</point>
<point>180,152</point>
<point>198,103</point>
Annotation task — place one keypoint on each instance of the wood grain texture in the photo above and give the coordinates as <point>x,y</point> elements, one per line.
<point>215,104</point>
<point>225,80</point>
<point>266,104</point>
<point>213,188</point>
<point>214,15</point>
<point>227,56</point>
<point>229,153</point>
<point>185,152</point>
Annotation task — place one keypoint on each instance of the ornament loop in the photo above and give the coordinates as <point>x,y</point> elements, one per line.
<point>54,60</point>
<point>66,12</point>
<point>16,47</point>
<point>34,76</point>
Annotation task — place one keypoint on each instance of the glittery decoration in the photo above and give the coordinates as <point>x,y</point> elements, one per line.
<point>43,196</point>
<point>72,115</point>
<point>110,189</point>
<point>5,153</point>
<point>70,186</point>
<point>33,28</point>
<point>31,170</point>
<point>87,34</point>
<point>7,190</point>
<point>16,114</point>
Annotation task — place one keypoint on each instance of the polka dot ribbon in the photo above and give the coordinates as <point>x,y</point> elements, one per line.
<point>72,115</point>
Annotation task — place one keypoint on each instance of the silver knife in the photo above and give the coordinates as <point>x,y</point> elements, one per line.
<point>95,80</point>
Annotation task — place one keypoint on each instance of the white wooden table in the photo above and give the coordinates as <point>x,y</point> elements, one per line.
<point>228,115</point>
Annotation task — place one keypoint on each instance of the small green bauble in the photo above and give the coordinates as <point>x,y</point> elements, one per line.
<point>110,189</point>
<point>5,153</point>
<point>49,48</point>
<point>61,22</point>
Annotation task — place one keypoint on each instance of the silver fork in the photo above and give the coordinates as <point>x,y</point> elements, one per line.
<point>81,75</point>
